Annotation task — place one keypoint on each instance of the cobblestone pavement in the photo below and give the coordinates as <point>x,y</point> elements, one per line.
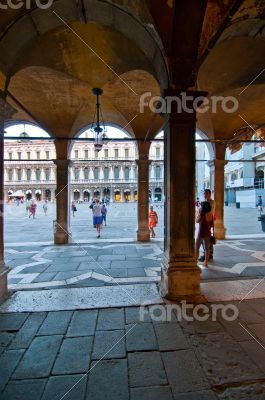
<point>113,353</point>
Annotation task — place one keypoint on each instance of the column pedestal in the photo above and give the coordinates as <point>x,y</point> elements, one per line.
<point>62,233</point>
<point>180,280</point>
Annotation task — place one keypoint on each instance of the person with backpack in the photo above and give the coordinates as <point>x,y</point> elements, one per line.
<point>205,220</point>
<point>104,211</point>
<point>97,217</point>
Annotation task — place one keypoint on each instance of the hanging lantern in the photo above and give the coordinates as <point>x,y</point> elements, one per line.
<point>98,131</point>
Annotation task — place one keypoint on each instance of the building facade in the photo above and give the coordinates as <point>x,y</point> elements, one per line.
<point>243,175</point>
<point>31,173</point>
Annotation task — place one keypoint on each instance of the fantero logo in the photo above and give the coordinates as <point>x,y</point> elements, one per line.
<point>28,4</point>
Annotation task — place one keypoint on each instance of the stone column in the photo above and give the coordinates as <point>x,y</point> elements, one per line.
<point>62,234</point>
<point>6,112</point>
<point>180,273</point>
<point>219,165</point>
<point>143,233</point>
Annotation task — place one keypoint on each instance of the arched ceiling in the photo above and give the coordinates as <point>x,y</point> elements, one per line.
<point>235,67</point>
<point>140,45</point>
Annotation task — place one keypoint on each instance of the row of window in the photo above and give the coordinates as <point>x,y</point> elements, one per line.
<point>106,173</point>
<point>28,155</point>
<point>28,177</point>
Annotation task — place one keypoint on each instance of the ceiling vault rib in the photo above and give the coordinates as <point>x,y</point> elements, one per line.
<point>23,108</point>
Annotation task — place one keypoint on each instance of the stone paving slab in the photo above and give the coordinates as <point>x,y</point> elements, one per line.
<point>151,393</point>
<point>170,337</point>
<point>74,356</point>
<point>184,371</point>
<point>73,386</point>
<point>110,319</point>
<point>8,362</point>
<point>24,390</point>
<point>83,323</point>
<point>221,367</point>
<point>56,323</point>
<point>38,360</point>
<point>12,323</point>
<point>146,369</point>
<point>26,334</point>
<point>109,345</point>
<point>140,336</point>
<point>108,379</point>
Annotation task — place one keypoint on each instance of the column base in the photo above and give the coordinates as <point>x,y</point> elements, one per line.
<point>62,236</point>
<point>220,232</point>
<point>3,283</point>
<point>143,235</point>
<point>180,280</point>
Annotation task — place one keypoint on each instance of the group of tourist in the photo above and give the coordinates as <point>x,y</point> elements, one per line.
<point>31,208</point>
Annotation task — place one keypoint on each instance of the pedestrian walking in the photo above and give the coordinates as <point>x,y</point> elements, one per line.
<point>205,220</point>
<point>97,217</point>
<point>33,209</point>
<point>260,204</point>
<point>28,205</point>
<point>153,221</point>
<point>74,209</point>
<point>45,207</point>
<point>104,211</point>
<point>208,197</point>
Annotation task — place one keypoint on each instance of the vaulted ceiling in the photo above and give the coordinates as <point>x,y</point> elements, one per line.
<point>50,59</point>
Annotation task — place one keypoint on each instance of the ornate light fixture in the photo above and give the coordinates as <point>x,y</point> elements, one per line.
<point>98,129</point>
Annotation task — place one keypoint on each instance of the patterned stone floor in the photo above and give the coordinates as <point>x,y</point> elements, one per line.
<point>107,263</point>
<point>123,354</point>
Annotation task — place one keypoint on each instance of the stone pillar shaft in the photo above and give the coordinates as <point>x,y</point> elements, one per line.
<point>143,233</point>
<point>6,112</point>
<point>62,234</point>
<point>219,228</point>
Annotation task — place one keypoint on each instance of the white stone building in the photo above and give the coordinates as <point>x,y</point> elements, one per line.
<point>30,171</point>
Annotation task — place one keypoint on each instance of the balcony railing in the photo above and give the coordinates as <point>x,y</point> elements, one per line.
<point>80,181</point>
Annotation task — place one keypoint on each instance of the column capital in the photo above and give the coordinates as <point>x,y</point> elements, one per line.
<point>217,163</point>
<point>182,106</point>
<point>6,111</point>
<point>63,163</point>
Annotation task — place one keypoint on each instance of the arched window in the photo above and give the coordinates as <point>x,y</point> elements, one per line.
<point>38,174</point>
<point>76,173</point>
<point>47,174</point>
<point>126,173</point>
<point>116,173</point>
<point>19,174</point>
<point>86,173</point>
<point>158,172</point>
<point>233,176</point>
<point>106,174</point>
<point>28,174</point>
<point>96,173</point>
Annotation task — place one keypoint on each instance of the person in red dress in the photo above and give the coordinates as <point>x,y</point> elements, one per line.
<point>153,220</point>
